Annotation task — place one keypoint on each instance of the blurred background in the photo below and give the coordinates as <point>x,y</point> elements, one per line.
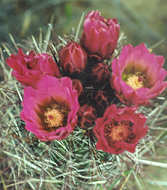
<point>140,20</point>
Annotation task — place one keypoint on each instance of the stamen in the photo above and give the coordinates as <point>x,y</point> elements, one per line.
<point>136,81</point>
<point>119,133</point>
<point>53,117</point>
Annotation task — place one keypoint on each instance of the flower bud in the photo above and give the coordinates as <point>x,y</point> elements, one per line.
<point>87,116</point>
<point>101,72</point>
<point>100,35</point>
<point>73,58</point>
<point>77,85</point>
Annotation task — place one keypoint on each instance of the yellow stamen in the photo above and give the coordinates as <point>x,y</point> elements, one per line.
<point>119,133</point>
<point>150,50</point>
<point>135,81</point>
<point>53,117</point>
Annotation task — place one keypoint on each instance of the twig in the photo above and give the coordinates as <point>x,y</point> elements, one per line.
<point>152,163</point>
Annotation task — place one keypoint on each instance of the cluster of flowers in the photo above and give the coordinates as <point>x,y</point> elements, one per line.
<point>85,86</point>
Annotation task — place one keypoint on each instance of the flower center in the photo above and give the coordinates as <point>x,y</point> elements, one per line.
<point>136,80</point>
<point>53,117</point>
<point>119,133</point>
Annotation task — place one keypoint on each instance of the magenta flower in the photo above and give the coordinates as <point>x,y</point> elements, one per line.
<point>119,129</point>
<point>28,69</point>
<point>100,35</point>
<point>50,110</point>
<point>73,58</point>
<point>137,75</point>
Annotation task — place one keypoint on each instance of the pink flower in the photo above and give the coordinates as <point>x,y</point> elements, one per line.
<point>119,129</point>
<point>28,69</point>
<point>73,58</point>
<point>50,110</point>
<point>137,75</point>
<point>100,35</point>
